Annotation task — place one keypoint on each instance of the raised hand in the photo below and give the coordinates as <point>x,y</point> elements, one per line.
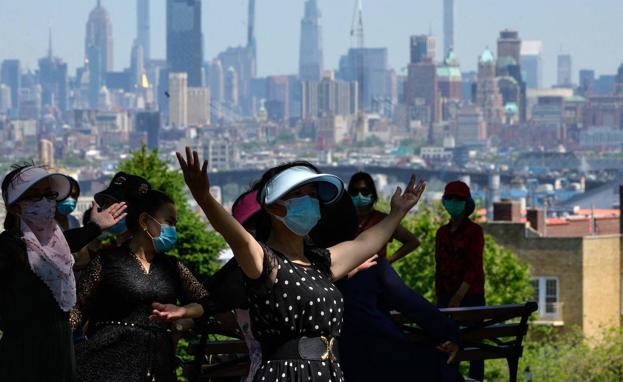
<point>402,202</point>
<point>195,173</point>
<point>108,217</point>
<point>167,312</point>
<point>451,348</point>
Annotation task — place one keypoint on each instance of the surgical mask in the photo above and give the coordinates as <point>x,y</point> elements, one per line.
<point>362,201</point>
<point>454,207</point>
<point>302,214</point>
<point>167,238</point>
<point>66,207</point>
<point>118,228</point>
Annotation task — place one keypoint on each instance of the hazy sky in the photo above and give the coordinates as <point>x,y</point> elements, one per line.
<point>591,30</point>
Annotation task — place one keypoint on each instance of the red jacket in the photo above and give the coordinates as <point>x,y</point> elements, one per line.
<point>458,257</point>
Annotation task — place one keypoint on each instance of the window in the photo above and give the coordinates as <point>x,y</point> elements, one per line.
<point>546,295</point>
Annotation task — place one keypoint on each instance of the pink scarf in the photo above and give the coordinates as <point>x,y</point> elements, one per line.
<point>48,252</point>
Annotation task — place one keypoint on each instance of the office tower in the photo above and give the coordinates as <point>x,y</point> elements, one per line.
<point>231,88</point>
<point>199,106</point>
<point>422,92</point>
<point>509,45</point>
<point>185,40</point>
<point>143,27</point>
<point>309,99</point>
<point>46,153</point>
<point>565,70</point>
<point>53,80</point>
<point>449,78</point>
<point>470,126</point>
<point>310,55</point>
<point>137,63</point>
<point>11,76</point>
<point>251,39</point>
<point>448,25</point>
<point>532,63</point>
<point>618,84</point>
<point>374,73</point>
<point>178,101</point>
<point>422,47</point>
<point>149,122</point>
<point>98,50</point>
<point>587,78</point>
<point>488,96</point>
<point>277,98</point>
<point>5,99</point>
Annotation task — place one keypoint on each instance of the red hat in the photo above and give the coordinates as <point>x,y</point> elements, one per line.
<point>457,189</point>
<point>245,207</point>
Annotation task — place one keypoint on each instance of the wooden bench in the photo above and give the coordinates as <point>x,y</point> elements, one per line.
<point>488,332</point>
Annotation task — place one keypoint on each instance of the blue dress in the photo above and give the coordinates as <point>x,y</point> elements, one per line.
<point>373,347</point>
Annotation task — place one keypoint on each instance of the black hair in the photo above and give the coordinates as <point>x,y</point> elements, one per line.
<point>86,216</point>
<point>149,203</point>
<point>367,179</point>
<point>73,183</point>
<point>10,220</point>
<point>263,225</point>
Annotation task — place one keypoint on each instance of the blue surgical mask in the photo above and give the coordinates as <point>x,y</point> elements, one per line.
<point>302,214</point>
<point>167,239</point>
<point>361,201</point>
<point>66,207</point>
<point>454,207</point>
<point>118,228</point>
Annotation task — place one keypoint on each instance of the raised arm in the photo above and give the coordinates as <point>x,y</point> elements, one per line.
<point>247,251</point>
<point>348,255</point>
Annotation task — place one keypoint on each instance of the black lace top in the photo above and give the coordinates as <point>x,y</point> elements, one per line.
<point>115,294</point>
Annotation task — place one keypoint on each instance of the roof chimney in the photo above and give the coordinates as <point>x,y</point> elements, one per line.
<point>507,211</point>
<point>536,219</point>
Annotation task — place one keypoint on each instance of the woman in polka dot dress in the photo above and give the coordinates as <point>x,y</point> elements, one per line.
<point>295,307</point>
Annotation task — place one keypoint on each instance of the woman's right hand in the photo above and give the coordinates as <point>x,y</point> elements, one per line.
<point>195,174</point>
<point>402,202</point>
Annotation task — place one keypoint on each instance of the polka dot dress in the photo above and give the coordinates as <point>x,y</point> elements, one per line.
<point>301,301</point>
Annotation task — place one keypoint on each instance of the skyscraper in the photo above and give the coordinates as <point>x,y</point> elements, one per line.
<point>422,47</point>
<point>374,68</point>
<point>488,96</point>
<point>199,106</point>
<point>98,49</point>
<point>231,88</point>
<point>251,40</point>
<point>185,40</point>
<point>53,80</point>
<point>151,123</point>
<point>509,45</point>
<point>143,27</point>
<point>310,55</point>
<point>565,70</point>
<point>448,25</point>
<point>532,63</point>
<point>11,75</point>
<point>178,101</point>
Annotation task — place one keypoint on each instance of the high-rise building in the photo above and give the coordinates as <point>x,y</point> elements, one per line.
<point>137,63</point>
<point>199,106</point>
<point>278,98</point>
<point>448,25</point>
<point>532,63</point>
<point>328,97</point>
<point>374,69</point>
<point>422,93</point>
<point>46,153</point>
<point>178,101</point>
<point>509,45</point>
<point>310,55</point>
<point>149,122</point>
<point>11,76</point>
<point>143,33</point>
<point>309,100</point>
<point>185,39</point>
<point>216,82</point>
<point>488,96</point>
<point>471,128</point>
<point>565,70</point>
<point>587,78</point>
<point>231,88</point>
<point>5,99</point>
<point>422,47</point>
<point>618,84</point>
<point>98,49</point>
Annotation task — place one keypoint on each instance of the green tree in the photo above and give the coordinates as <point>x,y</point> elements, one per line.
<point>197,245</point>
<point>507,280</point>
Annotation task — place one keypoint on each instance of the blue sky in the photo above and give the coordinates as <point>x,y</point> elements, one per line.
<point>590,30</point>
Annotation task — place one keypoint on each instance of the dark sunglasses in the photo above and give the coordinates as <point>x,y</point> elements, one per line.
<point>362,191</point>
<point>35,198</point>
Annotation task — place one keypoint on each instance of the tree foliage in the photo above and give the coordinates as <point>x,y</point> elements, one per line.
<point>507,280</point>
<point>197,245</point>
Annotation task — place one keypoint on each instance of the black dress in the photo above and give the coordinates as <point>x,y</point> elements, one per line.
<point>115,296</point>
<point>289,301</point>
<point>36,344</point>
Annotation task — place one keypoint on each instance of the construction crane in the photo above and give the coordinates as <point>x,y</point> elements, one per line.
<point>357,36</point>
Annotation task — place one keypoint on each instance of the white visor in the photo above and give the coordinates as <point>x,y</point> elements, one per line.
<point>29,177</point>
<point>330,187</point>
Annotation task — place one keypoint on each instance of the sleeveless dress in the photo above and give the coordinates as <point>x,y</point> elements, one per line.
<point>290,301</point>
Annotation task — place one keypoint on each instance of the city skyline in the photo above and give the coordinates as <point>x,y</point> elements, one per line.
<point>387,25</point>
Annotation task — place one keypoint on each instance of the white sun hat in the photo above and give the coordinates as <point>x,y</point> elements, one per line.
<point>29,177</point>
<point>330,187</point>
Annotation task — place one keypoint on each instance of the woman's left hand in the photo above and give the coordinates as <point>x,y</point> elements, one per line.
<point>167,312</point>
<point>109,217</point>
<point>450,348</point>
<point>402,202</point>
